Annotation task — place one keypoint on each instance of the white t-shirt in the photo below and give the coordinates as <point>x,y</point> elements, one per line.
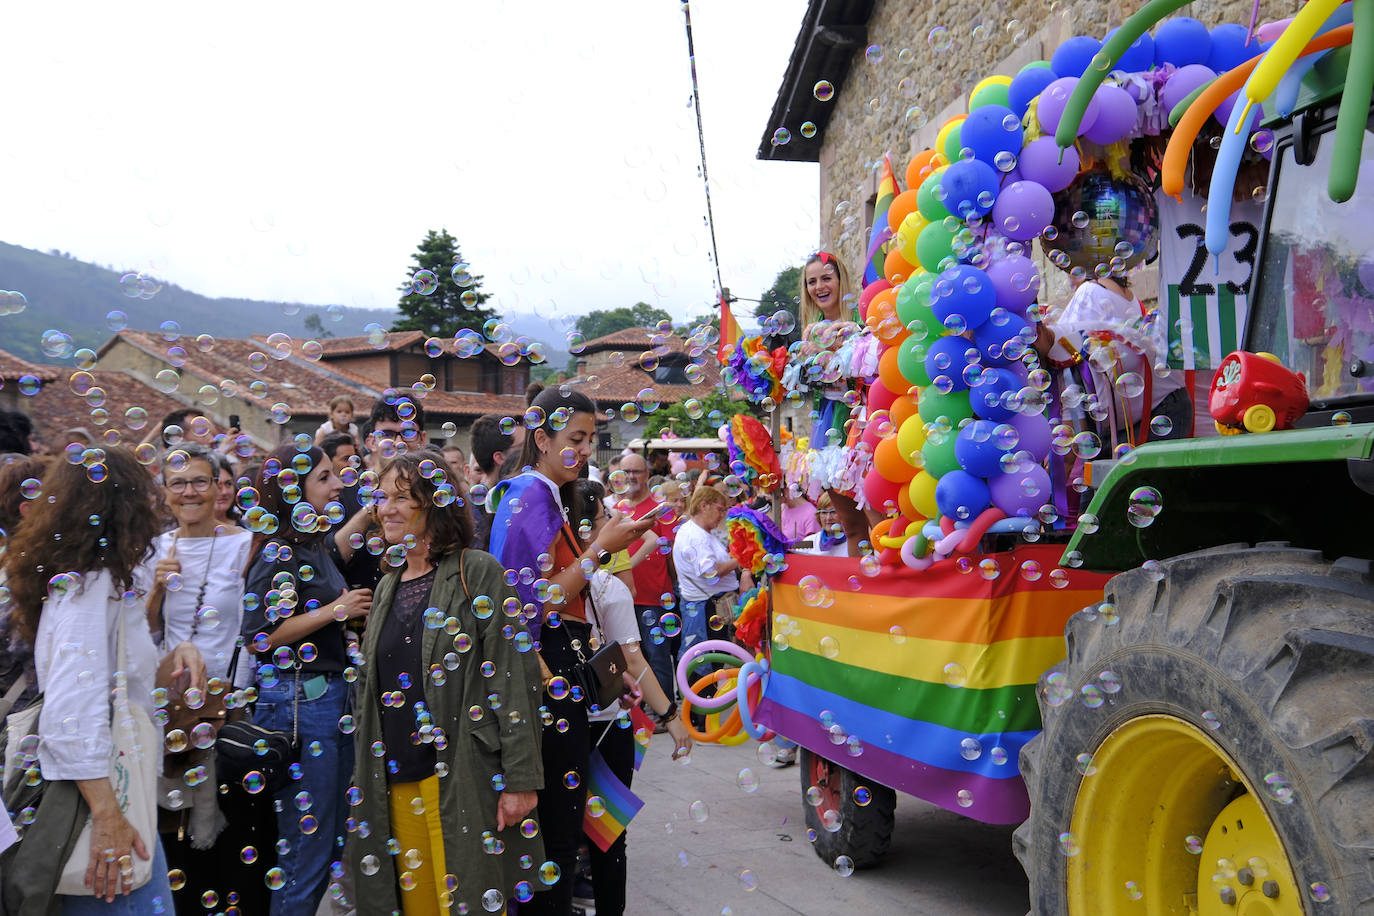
<point>217,630</point>
<point>696,552</point>
<point>613,611</point>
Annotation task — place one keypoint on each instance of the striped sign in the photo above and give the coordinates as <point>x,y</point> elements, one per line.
<point>921,681</point>
<point>1203,329</point>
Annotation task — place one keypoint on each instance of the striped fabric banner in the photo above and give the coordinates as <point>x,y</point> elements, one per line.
<point>893,678</point>
<point>1203,329</point>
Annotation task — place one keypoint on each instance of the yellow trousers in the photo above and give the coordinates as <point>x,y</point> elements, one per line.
<point>420,867</point>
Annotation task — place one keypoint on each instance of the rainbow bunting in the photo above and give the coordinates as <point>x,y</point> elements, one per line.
<point>617,807</point>
<point>916,665</point>
<point>729,332</point>
<point>887,192</point>
<point>644,730</point>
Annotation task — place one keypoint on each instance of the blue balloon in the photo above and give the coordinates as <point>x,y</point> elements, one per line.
<point>970,187</point>
<point>1139,57</point>
<point>987,394</point>
<point>963,298</point>
<point>1027,84</point>
<point>991,130</point>
<point>1074,56</point>
<point>1181,42</point>
<point>1229,49</point>
<point>1003,329</point>
<point>947,357</point>
<point>977,450</point>
<point>961,496</point>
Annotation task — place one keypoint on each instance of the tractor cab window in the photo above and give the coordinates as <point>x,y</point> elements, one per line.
<point>1315,310</point>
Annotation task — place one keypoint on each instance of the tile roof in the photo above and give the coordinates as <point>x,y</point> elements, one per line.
<point>619,384</point>
<point>56,408</point>
<point>12,367</point>
<point>635,339</point>
<point>349,346</point>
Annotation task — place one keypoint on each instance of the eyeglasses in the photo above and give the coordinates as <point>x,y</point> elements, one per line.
<point>199,484</point>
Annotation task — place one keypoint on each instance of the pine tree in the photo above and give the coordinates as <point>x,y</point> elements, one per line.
<point>446,302</point>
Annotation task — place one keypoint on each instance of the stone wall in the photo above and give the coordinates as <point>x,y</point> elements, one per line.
<point>896,105</point>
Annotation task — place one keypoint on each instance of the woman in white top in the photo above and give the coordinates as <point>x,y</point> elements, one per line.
<point>197,589</point>
<point>97,527</point>
<point>705,569</point>
<point>612,613</point>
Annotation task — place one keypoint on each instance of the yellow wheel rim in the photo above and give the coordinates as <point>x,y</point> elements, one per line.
<point>1259,418</point>
<point>1154,830</point>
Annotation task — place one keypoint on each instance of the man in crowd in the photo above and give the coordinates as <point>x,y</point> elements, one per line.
<point>342,450</point>
<point>655,591</point>
<point>393,428</point>
<point>490,450</point>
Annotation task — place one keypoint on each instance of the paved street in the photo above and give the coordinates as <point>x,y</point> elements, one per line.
<point>939,863</point>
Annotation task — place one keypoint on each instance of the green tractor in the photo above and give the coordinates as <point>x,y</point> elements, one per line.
<point>1233,771</point>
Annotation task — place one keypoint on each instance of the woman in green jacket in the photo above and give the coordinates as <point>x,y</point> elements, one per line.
<point>448,756</point>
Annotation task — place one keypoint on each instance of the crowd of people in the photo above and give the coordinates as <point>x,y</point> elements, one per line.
<point>415,620</point>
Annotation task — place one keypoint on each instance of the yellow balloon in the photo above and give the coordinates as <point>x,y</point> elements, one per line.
<point>922,493</point>
<point>911,438</point>
<point>944,131</point>
<point>990,81</point>
<point>908,233</point>
<point>1281,55</point>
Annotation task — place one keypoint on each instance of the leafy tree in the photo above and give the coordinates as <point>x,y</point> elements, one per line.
<point>445,306</point>
<point>782,295</point>
<point>716,408</point>
<point>315,327</point>
<point>601,322</point>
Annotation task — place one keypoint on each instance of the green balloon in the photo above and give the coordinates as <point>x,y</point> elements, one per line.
<point>913,304</point>
<point>938,453</point>
<point>926,201</point>
<point>934,245</point>
<point>911,360</point>
<point>989,95</point>
<point>954,406</point>
<point>953,144</point>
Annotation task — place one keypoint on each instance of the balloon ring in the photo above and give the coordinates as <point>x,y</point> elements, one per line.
<point>729,727</point>
<point>697,649</point>
<point>754,675</point>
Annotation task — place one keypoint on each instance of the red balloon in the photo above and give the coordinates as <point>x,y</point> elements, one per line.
<point>879,397</point>
<point>871,290</point>
<point>879,491</point>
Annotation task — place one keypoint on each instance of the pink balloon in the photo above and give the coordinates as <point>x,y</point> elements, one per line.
<point>1023,210</point>
<point>879,491</point>
<point>879,398</point>
<point>1052,102</point>
<point>871,290</point>
<point>1040,163</point>
<point>1116,116</point>
<point>1182,83</point>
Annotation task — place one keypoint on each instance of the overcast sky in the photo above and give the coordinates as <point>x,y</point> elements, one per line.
<point>299,151</point>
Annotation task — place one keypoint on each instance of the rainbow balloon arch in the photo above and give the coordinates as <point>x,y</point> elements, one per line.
<point>966,433</point>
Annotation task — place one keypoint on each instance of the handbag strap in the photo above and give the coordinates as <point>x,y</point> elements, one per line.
<point>586,592</point>
<point>12,695</point>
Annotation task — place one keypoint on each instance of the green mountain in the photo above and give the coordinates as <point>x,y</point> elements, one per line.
<point>76,297</point>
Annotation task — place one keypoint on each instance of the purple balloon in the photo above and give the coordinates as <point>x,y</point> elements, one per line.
<point>1228,104</point>
<point>1023,210</point>
<point>1016,280</point>
<point>1116,116</point>
<point>1035,434</point>
<point>1021,493</point>
<point>1055,99</point>
<point>1365,271</point>
<point>1182,83</point>
<point>1039,162</point>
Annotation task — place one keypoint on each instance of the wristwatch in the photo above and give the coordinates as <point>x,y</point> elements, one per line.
<point>603,556</point>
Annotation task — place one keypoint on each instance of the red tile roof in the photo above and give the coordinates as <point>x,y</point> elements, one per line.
<point>56,408</point>
<point>12,367</point>
<point>349,346</point>
<point>635,339</point>
<point>619,384</point>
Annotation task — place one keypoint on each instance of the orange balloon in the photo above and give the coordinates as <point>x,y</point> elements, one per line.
<point>880,530</point>
<point>904,504</point>
<point>887,460</point>
<point>882,318</point>
<point>902,409</point>
<point>919,168</point>
<point>895,266</point>
<point>903,205</point>
<point>890,373</point>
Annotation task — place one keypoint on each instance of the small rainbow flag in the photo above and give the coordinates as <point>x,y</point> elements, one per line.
<point>643,731</point>
<point>617,807</point>
<point>919,663</point>
<point>887,192</point>
<point>729,331</point>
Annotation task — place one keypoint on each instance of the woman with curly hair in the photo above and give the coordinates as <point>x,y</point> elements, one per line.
<point>75,570</point>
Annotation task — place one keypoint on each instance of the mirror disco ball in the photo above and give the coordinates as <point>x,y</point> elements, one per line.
<point>1102,220</point>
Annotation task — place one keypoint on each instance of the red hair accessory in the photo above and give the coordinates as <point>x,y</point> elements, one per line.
<point>824,257</point>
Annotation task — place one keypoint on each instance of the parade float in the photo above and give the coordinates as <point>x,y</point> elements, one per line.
<point>1154,656</point>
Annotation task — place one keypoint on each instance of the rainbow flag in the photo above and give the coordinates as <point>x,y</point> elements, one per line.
<point>618,805</point>
<point>887,192</point>
<point>643,731</point>
<point>916,664</point>
<point>729,331</point>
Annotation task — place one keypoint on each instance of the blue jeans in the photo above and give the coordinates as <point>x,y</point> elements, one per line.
<point>153,897</point>
<point>695,615</point>
<point>661,654</point>
<point>308,856</point>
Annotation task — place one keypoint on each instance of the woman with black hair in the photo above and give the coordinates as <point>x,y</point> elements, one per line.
<point>533,539</point>
<point>296,605</point>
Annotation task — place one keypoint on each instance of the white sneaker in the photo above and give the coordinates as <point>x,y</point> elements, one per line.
<point>786,757</point>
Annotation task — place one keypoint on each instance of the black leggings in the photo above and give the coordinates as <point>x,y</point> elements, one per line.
<point>566,747</point>
<point>609,867</point>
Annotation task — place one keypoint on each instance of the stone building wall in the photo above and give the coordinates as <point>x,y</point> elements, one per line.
<point>897,104</point>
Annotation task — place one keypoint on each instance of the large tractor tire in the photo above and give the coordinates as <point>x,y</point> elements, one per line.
<point>1207,743</point>
<point>851,815</point>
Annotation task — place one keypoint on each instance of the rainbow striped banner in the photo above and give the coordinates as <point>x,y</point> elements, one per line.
<point>910,665</point>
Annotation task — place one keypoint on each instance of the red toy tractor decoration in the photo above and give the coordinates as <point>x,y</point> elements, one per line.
<point>1256,393</point>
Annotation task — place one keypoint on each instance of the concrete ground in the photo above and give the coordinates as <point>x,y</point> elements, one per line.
<point>750,854</point>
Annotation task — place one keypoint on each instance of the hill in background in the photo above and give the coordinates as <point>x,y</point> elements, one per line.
<point>76,297</point>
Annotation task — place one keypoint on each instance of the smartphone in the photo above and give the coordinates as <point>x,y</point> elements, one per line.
<point>656,513</point>
<point>234,421</point>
